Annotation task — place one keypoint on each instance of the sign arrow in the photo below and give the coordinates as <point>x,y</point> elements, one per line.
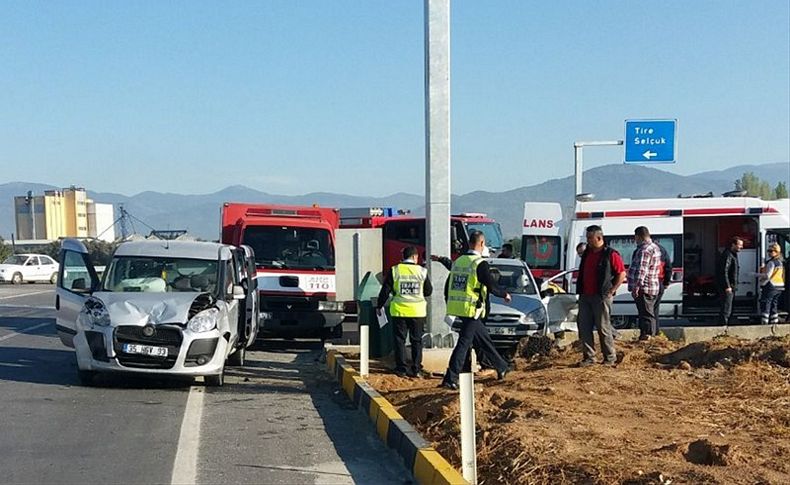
<point>649,154</point>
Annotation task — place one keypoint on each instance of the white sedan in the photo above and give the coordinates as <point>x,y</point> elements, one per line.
<point>30,268</point>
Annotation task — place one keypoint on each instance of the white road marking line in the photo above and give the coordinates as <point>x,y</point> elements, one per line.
<point>24,330</point>
<point>37,307</point>
<point>26,294</point>
<point>185,465</point>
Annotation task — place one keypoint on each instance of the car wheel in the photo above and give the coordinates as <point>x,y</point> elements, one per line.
<point>236,359</point>
<point>16,279</point>
<point>54,278</point>
<point>216,380</point>
<point>622,322</point>
<point>86,377</point>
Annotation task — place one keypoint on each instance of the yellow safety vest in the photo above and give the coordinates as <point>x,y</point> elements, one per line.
<point>777,276</point>
<point>466,296</point>
<point>408,282</point>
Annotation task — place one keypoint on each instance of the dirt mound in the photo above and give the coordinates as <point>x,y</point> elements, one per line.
<point>730,351</point>
<point>703,452</point>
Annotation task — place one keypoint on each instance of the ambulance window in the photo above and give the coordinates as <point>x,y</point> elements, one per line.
<point>541,252</point>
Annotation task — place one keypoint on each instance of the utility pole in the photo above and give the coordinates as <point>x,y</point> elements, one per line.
<point>437,156</point>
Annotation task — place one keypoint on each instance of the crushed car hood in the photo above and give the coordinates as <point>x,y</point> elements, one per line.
<point>142,308</point>
<point>519,305</point>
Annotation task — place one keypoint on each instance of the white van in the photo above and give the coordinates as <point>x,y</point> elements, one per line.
<point>693,231</point>
<point>161,307</point>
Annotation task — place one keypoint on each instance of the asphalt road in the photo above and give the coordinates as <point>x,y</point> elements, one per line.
<point>280,419</point>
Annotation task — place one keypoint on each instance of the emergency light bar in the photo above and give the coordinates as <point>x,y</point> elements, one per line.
<point>474,215</point>
<point>268,212</point>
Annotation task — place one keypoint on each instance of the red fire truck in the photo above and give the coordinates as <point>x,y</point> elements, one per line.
<point>400,231</point>
<point>295,257</point>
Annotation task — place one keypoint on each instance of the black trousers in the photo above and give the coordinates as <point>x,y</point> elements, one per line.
<point>414,327</point>
<point>473,334</point>
<point>725,311</point>
<point>646,306</point>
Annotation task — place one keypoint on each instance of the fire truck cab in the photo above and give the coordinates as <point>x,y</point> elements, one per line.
<point>295,259</point>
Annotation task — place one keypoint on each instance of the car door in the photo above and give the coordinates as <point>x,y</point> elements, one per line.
<point>29,269</point>
<point>77,279</point>
<point>252,294</point>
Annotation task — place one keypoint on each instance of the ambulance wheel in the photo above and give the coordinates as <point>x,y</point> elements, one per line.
<point>622,322</point>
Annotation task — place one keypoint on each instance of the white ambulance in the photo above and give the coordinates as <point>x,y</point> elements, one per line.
<point>694,231</point>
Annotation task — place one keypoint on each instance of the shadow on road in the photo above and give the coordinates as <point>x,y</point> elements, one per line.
<point>350,432</point>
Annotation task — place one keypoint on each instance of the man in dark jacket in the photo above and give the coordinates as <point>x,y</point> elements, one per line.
<point>665,278</point>
<point>601,272</point>
<point>727,278</point>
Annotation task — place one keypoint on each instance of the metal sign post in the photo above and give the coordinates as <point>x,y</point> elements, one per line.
<point>466,390</point>
<point>577,155</point>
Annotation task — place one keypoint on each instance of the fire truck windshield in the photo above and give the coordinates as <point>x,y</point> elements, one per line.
<point>291,247</point>
<point>490,230</point>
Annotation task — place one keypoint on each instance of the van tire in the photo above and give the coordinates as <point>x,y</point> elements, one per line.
<point>16,279</point>
<point>86,377</point>
<point>237,358</point>
<point>216,380</point>
<point>623,322</point>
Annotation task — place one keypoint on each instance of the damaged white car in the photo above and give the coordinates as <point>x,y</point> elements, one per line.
<point>161,307</point>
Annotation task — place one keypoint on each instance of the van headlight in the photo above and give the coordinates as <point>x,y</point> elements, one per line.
<point>534,317</point>
<point>93,314</point>
<point>204,321</point>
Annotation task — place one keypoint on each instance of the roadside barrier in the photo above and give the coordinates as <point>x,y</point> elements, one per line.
<point>426,465</point>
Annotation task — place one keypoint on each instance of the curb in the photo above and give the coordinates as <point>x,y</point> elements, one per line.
<point>427,466</point>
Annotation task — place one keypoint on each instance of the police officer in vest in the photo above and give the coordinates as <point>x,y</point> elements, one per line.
<point>409,284</point>
<point>466,292</point>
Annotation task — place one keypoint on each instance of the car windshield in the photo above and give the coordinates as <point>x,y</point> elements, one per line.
<point>18,260</point>
<point>514,278</point>
<point>291,247</point>
<point>490,230</point>
<point>141,274</point>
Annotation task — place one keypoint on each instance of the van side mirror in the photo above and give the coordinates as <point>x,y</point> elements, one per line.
<point>548,292</point>
<point>78,284</point>
<point>238,292</point>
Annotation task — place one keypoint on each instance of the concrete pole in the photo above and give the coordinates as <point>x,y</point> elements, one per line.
<point>437,156</point>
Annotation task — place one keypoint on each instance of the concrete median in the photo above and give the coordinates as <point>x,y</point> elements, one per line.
<point>427,466</point>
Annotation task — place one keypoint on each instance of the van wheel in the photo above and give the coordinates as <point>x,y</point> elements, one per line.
<point>54,278</point>
<point>86,377</point>
<point>215,381</point>
<point>16,279</point>
<point>237,358</point>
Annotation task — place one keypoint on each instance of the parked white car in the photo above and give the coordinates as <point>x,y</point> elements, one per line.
<point>29,268</point>
<point>161,307</point>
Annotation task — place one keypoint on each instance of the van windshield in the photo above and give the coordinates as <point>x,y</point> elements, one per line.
<point>291,247</point>
<point>140,274</point>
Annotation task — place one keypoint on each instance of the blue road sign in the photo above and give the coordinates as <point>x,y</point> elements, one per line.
<point>650,141</point>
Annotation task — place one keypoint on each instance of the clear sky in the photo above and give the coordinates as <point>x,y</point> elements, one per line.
<point>296,96</point>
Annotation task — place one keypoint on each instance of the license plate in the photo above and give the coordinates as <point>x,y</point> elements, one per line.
<point>502,330</point>
<point>149,350</point>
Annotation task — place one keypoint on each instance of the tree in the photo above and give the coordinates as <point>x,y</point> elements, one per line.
<point>780,192</point>
<point>516,242</point>
<point>755,187</point>
<point>5,250</point>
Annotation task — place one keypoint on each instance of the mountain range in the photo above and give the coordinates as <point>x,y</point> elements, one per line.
<point>199,214</point>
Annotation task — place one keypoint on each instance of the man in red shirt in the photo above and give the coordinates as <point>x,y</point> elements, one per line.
<point>601,272</point>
